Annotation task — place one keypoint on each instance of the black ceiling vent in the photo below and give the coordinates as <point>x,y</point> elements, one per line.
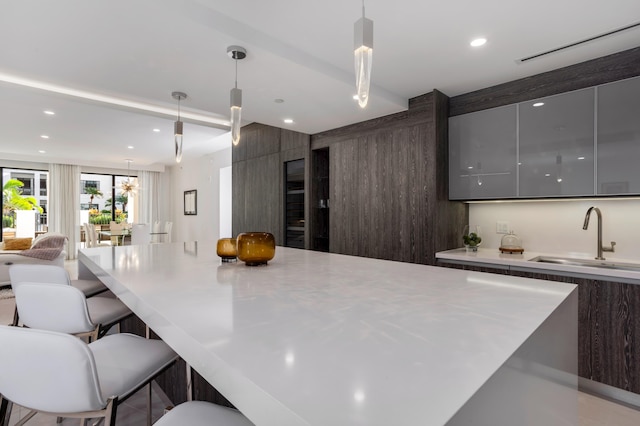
<point>577,43</point>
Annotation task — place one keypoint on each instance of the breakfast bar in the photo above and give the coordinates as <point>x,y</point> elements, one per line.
<point>326,339</point>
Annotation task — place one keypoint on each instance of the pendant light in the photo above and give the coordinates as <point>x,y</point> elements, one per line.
<point>236,53</point>
<point>363,51</point>
<point>177,126</point>
<point>128,186</point>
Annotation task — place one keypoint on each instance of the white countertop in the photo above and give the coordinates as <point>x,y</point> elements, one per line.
<point>325,339</point>
<point>489,257</point>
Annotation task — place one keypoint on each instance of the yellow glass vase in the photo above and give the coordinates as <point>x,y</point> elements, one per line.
<point>226,249</point>
<point>256,248</point>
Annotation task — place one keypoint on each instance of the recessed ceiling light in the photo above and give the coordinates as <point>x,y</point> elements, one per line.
<point>49,112</point>
<point>538,104</point>
<point>355,97</point>
<point>559,180</point>
<point>44,136</point>
<point>580,158</point>
<point>42,151</point>
<point>278,101</point>
<point>288,120</point>
<point>156,130</point>
<point>547,174</point>
<point>478,42</point>
<point>470,167</point>
<point>130,147</point>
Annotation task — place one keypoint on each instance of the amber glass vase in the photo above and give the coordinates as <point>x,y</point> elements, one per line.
<point>256,248</point>
<point>226,249</point>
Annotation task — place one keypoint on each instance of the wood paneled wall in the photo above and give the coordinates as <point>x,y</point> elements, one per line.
<point>388,185</point>
<point>598,71</point>
<point>258,177</point>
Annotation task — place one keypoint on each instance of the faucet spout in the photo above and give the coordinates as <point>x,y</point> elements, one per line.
<point>586,219</point>
<point>586,225</point>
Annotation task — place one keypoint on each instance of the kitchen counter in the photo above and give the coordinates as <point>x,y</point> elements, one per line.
<point>326,339</point>
<point>492,258</point>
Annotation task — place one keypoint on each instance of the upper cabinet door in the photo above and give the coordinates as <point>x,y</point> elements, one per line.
<point>482,154</point>
<point>619,138</point>
<point>556,145</point>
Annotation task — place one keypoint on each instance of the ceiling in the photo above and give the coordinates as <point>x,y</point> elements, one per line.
<point>90,55</point>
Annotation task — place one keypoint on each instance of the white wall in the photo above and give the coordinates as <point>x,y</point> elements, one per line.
<point>203,175</point>
<point>226,202</point>
<point>555,227</point>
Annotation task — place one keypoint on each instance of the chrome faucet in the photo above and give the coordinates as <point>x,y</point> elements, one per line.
<point>601,248</point>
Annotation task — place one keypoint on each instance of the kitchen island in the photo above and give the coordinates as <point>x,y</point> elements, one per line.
<point>326,339</point>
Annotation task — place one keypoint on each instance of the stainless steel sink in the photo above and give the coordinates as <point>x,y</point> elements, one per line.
<point>587,262</point>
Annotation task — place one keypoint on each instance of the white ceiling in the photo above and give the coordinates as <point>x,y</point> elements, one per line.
<point>298,51</point>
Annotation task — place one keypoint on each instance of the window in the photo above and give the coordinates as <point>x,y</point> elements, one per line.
<point>33,190</point>
<point>27,180</point>
<point>85,184</point>
<point>43,186</point>
<point>102,199</point>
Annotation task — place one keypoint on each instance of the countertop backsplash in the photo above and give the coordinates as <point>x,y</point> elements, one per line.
<point>555,226</point>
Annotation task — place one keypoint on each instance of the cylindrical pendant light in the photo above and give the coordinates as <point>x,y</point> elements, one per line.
<point>177,126</point>
<point>363,51</point>
<point>236,53</point>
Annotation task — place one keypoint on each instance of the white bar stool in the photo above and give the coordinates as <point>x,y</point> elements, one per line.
<point>200,413</point>
<point>64,309</point>
<point>54,274</point>
<point>59,374</point>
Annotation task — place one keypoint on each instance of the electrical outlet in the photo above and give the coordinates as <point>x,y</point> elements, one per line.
<point>502,227</point>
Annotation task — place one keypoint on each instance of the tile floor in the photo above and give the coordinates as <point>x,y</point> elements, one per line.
<point>593,411</point>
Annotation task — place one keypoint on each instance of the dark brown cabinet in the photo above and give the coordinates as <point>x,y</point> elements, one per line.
<point>374,189</point>
<point>320,201</point>
<point>267,163</point>
<point>388,192</point>
<point>294,203</point>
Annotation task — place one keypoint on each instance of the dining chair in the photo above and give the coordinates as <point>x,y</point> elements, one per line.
<point>116,228</point>
<point>167,231</point>
<point>140,233</point>
<point>200,413</point>
<point>91,235</point>
<point>58,374</point>
<point>64,308</point>
<point>156,229</point>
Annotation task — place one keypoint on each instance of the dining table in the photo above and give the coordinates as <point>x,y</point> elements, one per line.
<point>314,338</point>
<point>117,236</point>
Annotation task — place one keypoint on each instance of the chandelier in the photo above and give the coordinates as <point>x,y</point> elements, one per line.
<point>129,187</point>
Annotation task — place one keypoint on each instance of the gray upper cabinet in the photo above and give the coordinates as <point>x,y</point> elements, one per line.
<point>574,144</point>
<point>619,138</point>
<point>556,145</point>
<point>482,154</point>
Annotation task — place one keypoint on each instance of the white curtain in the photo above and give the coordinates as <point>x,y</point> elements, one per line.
<point>149,190</point>
<point>64,204</point>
